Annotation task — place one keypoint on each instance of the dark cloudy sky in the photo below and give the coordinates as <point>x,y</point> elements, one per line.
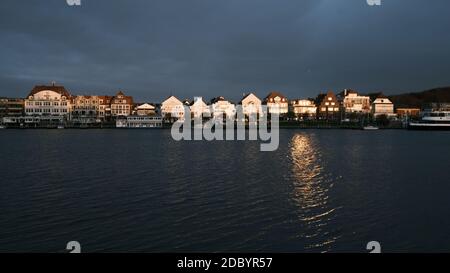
<point>153,48</point>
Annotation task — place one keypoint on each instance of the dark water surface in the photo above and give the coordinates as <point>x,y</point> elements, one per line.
<point>140,191</point>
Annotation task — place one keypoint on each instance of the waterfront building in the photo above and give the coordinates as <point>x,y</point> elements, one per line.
<point>303,108</point>
<point>11,107</point>
<point>328,106</point>
<point>172,109</point>
<point>276,103</point>
<point>251,104</point>
<point>85,109</point>
<point>199,108</point>
<point>139,121</point>
<point>222,107</point>
<point>121,105</point>
<point>104,107</point>
<point>41,121</point>
<point>145,109</point>
<point>48,100</point>
<point>354,103</point>
<point>383,106</point>
<point>408,112</point>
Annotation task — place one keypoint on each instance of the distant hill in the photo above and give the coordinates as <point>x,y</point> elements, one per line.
<point>440,95</point>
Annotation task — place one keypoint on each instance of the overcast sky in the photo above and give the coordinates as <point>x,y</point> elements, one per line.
<point>154,48</point>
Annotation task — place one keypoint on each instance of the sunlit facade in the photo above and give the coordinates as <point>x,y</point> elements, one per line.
<point>303,108</point>
<point>172,108</point>
<point>355,103</point>
<point>276,103</point>
<point>383,106</point>
<point>46,100</point>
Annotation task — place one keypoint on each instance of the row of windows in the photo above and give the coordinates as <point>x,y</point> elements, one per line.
<point>46,103</point>
<point>330,109</point>
<point>46,110</point>
<point>86,102</point>
<point>48,98</point>
<point>121,106</point>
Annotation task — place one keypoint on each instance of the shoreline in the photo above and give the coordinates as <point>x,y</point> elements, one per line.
<point>169,127</point>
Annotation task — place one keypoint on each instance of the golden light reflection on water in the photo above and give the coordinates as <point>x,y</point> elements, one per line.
<point>311,186</point>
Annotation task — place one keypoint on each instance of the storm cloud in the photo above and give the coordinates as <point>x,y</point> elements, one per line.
<point>154,48</point>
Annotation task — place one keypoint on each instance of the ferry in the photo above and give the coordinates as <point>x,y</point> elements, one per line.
<point>135,122</point>
<point>436,118</point>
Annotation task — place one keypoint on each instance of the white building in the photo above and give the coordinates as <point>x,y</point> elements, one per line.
<point>303,108</point>
<point>50,100</point>
<point>251,104</point>
<point>383,106</point>
<point>172,108</point>
<point>276,103</point>
<point>221,107</point>
<point>199,108</point>
<point>355,103</point>
<point>145,109</point>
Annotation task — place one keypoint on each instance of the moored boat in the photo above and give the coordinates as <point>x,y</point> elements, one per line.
<point>370,127</point>
<point>435,118</point>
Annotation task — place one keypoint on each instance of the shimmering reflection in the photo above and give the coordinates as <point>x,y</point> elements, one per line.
<point>311,192</point>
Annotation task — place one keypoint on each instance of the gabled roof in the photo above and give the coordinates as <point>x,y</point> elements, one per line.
<point>128,99</point>
<point>321,97</point>
<point>145,106</point>
<point>171,97</point>
<point>275,94</point>
<point>246,96</point>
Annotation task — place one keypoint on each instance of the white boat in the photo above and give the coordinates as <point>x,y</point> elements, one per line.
<point>370,127</point>
<point>60,127</point>
<point>2,127</point>
<point>135,122</point>
<point>436,118</point>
